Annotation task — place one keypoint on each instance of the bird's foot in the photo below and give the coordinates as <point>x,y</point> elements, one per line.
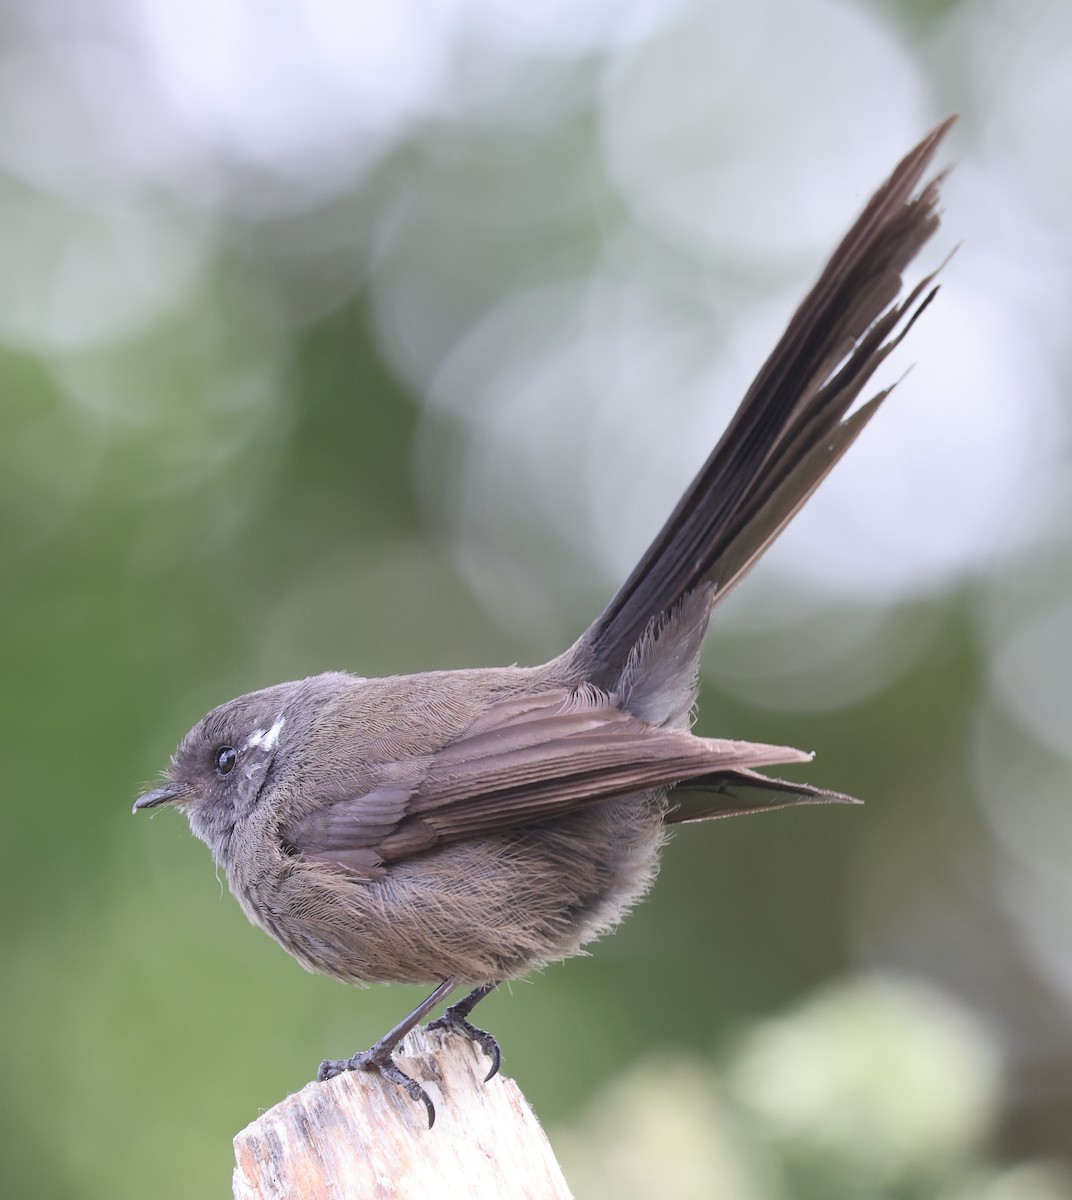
<point>381,1060</point>
<point>455,1022</point>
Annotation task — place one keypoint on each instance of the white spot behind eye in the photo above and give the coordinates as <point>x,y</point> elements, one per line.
<point>266,740</point>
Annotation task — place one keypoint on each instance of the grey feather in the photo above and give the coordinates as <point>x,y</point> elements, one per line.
<point>472,825</point>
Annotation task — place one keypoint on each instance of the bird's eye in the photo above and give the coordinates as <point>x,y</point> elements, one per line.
<point>226,757</point>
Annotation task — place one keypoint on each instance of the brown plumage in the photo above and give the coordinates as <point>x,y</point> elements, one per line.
<point>467,826</point>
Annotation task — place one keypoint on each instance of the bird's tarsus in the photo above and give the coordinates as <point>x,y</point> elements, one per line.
<point>380,1058</point>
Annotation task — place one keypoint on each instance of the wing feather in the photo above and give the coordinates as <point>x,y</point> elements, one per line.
<point>523,760</point>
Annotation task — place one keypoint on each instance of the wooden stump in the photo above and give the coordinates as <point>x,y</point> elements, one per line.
<point>359,1136</point>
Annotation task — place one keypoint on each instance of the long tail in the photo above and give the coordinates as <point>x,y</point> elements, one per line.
<point>791,427</point>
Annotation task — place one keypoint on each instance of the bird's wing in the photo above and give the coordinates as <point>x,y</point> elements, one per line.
<point>527,759</point>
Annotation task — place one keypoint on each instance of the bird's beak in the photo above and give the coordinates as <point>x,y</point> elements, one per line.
<point>161,795</point>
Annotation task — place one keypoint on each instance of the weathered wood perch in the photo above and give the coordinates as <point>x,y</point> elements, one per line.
<point>358,1136</point>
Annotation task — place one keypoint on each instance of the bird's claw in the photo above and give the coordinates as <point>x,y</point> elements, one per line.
<point>383,1063</point>
<point>454,1022</point>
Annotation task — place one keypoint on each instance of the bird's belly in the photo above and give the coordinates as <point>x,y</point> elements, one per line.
<point>477,911</point>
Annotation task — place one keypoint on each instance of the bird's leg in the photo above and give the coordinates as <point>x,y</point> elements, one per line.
<point>454,1019</point>
<point>380,1058</point>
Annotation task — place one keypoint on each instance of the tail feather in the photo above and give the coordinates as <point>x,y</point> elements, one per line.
<point>791,428</point>
<point>731,793</point>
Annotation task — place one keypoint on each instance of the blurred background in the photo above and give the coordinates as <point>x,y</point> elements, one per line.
<point>383,337</point>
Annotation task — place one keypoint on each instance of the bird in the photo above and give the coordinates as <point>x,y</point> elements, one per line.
<point>466,827</point>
